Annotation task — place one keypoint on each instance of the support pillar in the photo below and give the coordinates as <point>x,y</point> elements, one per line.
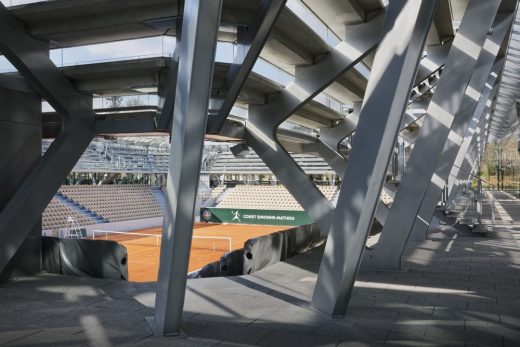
<point>462,172</point>
<point>481,85</point>
<point>476,128</point>
<point>446,162</point>
<point>445,104</point>
<point>395,67</point>
<point>20,140</point>
<point>196,61</point>
<point>23,210</point>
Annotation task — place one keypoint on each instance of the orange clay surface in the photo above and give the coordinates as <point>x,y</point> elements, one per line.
<point>143,251</point>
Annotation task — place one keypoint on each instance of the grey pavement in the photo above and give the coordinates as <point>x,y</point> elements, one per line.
<point>456,288</point>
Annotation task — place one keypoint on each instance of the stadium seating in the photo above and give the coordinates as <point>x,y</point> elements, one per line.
<point>115,202</point>
<point>328,191</point>
<point>215,192</point>
<point>56,216</point>
<point>121,156</point>
<point>251,163</point>
<point>275,197</point>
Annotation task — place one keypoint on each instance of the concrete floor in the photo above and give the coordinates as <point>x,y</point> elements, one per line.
<point>457,288</point>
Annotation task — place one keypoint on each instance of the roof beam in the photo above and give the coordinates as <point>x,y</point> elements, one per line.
<point>250,44</point>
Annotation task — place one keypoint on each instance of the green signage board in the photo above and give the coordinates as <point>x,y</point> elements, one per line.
<point>246,216</point>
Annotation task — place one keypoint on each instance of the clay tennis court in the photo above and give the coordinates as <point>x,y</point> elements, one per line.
<point>211,241</point>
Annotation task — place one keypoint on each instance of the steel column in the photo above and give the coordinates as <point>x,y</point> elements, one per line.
<point>434,132</point>
<point>443,170</point>
<point>25,207</point>
<point>469,141</point>
<point>20,138</point>
<point>477,94</point>
<point>196,61</point>
<point>163,116</point>
<point>463,172</point>
<point>395,66</point>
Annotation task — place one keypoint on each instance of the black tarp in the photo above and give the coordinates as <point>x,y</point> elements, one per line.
<point>269,249</point>
<point>232,263</point>
<point>209,270</point>
<point>263,251</point>
<point>51,261</point>
<point>84,257</point>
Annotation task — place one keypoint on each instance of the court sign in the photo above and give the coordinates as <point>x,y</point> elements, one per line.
<point>248,216</point>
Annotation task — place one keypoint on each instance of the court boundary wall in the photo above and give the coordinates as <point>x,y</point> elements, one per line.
<point>262,251</point>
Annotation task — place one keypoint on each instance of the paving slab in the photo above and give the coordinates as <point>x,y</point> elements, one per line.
<point>464,294</point>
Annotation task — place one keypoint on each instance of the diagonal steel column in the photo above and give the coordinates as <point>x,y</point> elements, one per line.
<point>264,120</point>
<point>447,159</point>
<point>481,85</point>
<point>196,61</point>
<point>469,141</point>
<point>167,86</point>
<point>430,65</point>
<point>30,57</point>
<point>332,137</point>
<point>467,169</point>
<point>463,171</point>
<point>250,43</point>
<point>395,66</point>
<point>434,132</point>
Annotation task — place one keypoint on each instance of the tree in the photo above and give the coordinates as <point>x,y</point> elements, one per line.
<point>114,101</point>
<point>134,102</point>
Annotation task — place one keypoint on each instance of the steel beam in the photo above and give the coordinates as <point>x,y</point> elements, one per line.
<point>31,59</point>
<point>196,61</point>
<point>395,66</point>
<point>434,132</point>
<point>309,81</point>
<point>251,41</point>
<point>332,137</point>
<point>334,159</point>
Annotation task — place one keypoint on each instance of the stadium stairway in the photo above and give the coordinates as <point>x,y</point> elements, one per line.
<point>222,196</point>
<point>80,208</point>
<point>159,197</point>
<point>334,199</point>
